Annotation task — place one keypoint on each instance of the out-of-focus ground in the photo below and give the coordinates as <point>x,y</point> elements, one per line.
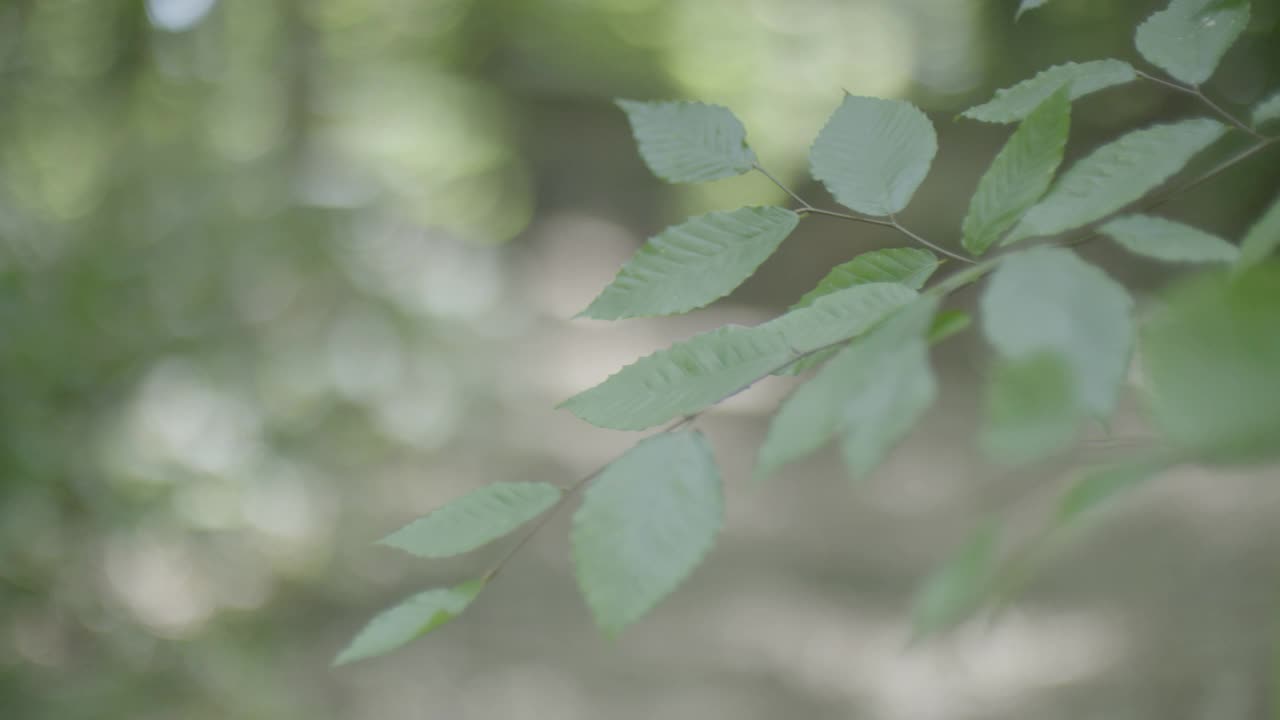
<point>277,276</point>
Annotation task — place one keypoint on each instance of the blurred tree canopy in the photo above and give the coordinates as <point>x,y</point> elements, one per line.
<point>251,280</point>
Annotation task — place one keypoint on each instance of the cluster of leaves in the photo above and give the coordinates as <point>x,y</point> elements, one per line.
<point>1063,331</point>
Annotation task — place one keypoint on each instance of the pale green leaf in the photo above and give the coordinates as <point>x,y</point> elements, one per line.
<point>1212,360</point>
<point>1047,299</point>
<point>871,393</point>
<point>1014,103</point>
<point>906,266</point>
<point>685,142</point>
<point>1162,239</point>
<point>948,323</point>
<point>841,315</point>
<point>644,525</point>
<point>477,518</point>
<point>1026,5</point>
<point>1262,239</point>
<point>1189,37</point>
<point>1100,485</point>
<point>692,264</point>
<point>1020,174</point>
<point>409,620</point>
<point>1032,409</point>
<point>958,588</point>
<point>1115,175</point>
<point>1267,111</point>
<point>685,378</point>
<point>873,154</point>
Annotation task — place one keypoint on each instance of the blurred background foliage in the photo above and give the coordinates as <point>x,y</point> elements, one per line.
<point>278,275</point>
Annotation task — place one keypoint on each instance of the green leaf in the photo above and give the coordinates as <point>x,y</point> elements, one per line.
<point>1015,103</point>
<point>1026,5</point>
<point>948,323</point>
<point>1047,299</point>
<point>1032,409</point>
<point>475,519</point>
<point>1262,239</point>
<point>906,266</point>
<point>1115,175</point>
<point>1098,486</point>
<point>959,586</point>
<point>409,620</point>
<point>1188,38</point>
<point>873,154</point>
<point>644,525</point>
<point>1211,355</point>
<point>692,264</point>
<point>1267,111</point>
<point>1162,239</point>
<point>685,142</point>
<point>1020,174</point>
<point>872,392</point>
<point>841,315</point>
<point>683,379</point>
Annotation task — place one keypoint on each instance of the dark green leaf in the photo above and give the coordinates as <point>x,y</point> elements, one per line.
<point>1020,174</point>
<point>477,518</point>
<point>873,154</point>
<point>684,142</point>
<point>692,264</point>
<point>644,525</point>
<point>1014,103</point>
<point>1115,175</point>
<point>410,620</point>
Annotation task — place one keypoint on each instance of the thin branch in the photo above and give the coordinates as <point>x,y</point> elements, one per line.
<point>893,221</point>
<point>1196,92</point>
<point>804,206</point>
<point>845,216</point>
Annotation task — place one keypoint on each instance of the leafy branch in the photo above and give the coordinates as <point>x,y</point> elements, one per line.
<point>1062,331</point>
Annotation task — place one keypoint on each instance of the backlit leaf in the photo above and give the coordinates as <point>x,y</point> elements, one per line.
<point>685,142</point>
<point>692,264</point>
<point>948,323</point>
<point>873,154</point>
<point>474,519</point>
<point>1115,175</point>
<point>840,315</point>
<point>1099,485</point>
<point>644,525</point>
<point>409,620</point>
<point>1020,174</point>
<point>1162,239</point>
<point>1189,37</point>
<point>1014,103</point>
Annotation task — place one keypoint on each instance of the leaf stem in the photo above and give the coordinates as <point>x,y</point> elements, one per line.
<point>893,221</point>
<point>804,206</point>
<point>1196,92</point>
